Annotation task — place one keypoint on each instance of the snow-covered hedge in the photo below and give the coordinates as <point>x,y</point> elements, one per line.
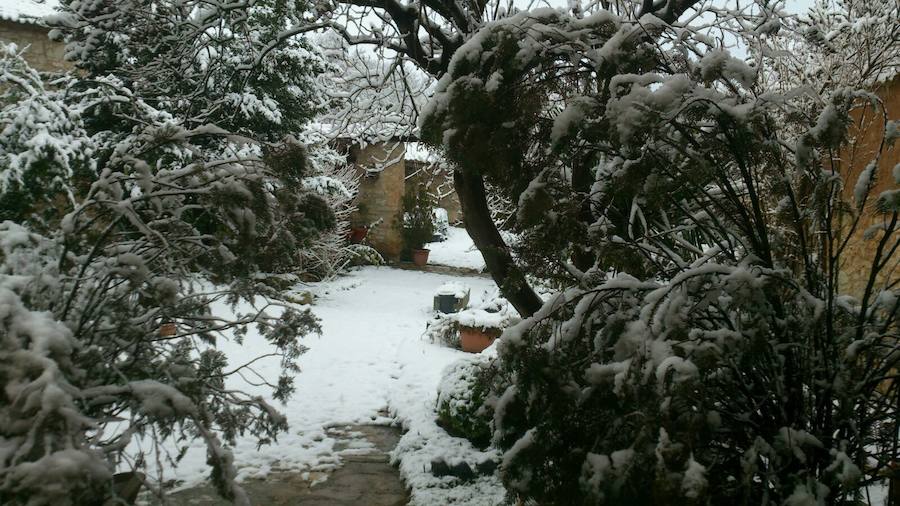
<point>461,407</point>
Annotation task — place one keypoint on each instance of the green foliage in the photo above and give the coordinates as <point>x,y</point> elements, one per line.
<point>462,408</point>
<point>417,227</point>
<point>361,254</point>
<point>706,348</point>
<point>129,211</point>
<point>206,64</point>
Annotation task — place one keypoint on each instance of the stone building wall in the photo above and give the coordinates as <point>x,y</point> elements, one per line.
<point>860,252</point>
<point>40,52</point>
<point>380,195</point>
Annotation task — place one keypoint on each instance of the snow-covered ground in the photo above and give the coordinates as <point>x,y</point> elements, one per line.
<point>457,251</point>
<point>27,11</point>
<point>371,356</point>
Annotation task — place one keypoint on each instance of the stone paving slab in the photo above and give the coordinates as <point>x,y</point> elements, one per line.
<point>442,269</point>
<point>365,478</point>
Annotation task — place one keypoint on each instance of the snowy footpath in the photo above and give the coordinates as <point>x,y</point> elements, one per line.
<point>456,251</point>
<point>371,365</point>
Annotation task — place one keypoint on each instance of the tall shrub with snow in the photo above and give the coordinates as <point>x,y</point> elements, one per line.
<point>237,66</point>
<point>244,69</point>
<point>460,405</point>
<point>139,213</point>
<point>705,351</point>
<point>427,36</point>
<point>336,181</point>
<point>836,43</point>
<point>45,153</point>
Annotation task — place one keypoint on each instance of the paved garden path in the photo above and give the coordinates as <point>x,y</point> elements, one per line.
<point>365,478</point>
<point>371,365</point>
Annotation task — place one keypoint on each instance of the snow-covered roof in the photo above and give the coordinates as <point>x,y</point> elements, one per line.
<point>27,11</point>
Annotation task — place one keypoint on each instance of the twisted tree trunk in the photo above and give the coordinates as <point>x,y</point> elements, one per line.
<point>497,257</point>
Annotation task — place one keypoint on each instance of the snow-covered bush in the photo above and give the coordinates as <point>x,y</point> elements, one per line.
<point>361,254</point>
<point>240,67</point>
<point>462,394</point>
<point>706,350</point>
<point>495,313</point>
<point>444,329</point>
<point>415,220</point>
<point>129,215</point>
<point>45,151</point>
<point>248,69</point>
<point>440,223</point>
<point>336,181</point>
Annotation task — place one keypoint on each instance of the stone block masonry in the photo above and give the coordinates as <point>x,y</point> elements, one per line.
<point>868,130</point>
<point>40,52</point>
<point>381,168</point>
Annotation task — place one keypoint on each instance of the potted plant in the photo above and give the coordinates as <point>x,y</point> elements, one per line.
<point>479,327</point>
<point>358,233</point>
<point>359,227</point>
<point>416,224</point>
<point>475,338</point>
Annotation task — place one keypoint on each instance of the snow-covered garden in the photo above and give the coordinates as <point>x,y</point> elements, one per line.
<point>372,364</point>
<point>670,278</point>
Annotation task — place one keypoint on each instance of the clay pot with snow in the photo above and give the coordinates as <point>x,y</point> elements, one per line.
<point>420,256</point>
<point>477,339</point>
<point>358,234</point>
<point>478,329</point>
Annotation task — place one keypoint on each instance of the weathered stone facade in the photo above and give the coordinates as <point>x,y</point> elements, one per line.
<point>381,193</point>
<point>860,251</point>
<point>40,52</point>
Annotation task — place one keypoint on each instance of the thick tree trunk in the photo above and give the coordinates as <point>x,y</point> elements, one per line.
<point>497,258</point>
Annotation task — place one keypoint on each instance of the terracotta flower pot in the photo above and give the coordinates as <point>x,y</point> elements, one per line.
<point>476,339</point>
<point>358,234</point>
<point>420,256</point>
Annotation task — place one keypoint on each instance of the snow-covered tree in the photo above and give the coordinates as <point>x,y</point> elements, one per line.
<point>142,196</point>
<point>335,180</point>
<point>427,34</point>
<point>837,43</point>
<point>706,351</point>
<point>236,65</point>
<point>375,98</point>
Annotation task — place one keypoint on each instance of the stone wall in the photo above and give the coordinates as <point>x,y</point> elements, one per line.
<point>381,194</point>
<point>40,52</point>
<point>860,252</point>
